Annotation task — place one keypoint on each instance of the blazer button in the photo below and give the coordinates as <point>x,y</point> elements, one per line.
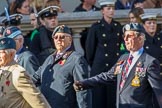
<point>106,55</point>
<point>105,45</point>
<point>147,47</point>
<point>107,64</point>
<point>117,54</point>
<point>104,35</point>
<point>117,44</point>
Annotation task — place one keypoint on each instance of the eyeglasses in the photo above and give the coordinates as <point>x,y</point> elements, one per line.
<point>60,37</point>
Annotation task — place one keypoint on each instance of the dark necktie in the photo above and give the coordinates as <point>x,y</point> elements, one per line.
<point>125,71</point>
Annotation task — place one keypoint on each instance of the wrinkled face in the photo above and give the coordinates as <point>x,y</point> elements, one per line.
<point>33,20</point>
<point>150,26</point>
<point>132,18</point>
<point>108,11</point>
<point>132,41</point>
<point>50,22</point>
<point>62,41</point>
<point>4,58</point>
<point>25,8</point>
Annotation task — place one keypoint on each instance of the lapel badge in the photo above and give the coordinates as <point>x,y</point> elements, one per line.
<point>7,82</point>
<point>118,67</point>
<point>139,64</point>
<point>136,81</point>
<point>62,62</point>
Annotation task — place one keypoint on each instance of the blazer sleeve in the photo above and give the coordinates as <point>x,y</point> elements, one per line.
<point>80,72</point>
<point>27,89</point>
<point>101,79</point>
<point>31,63</point>
<point>155,80</point>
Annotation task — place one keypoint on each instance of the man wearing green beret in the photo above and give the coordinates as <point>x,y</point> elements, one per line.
<point>16,88</point>
<point>57,74</point>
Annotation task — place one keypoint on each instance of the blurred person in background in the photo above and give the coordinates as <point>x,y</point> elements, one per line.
<point>20,6</point>
<point>86,5</point>
<point>123,4</point>
<point>103,36</point>
<point>42,44</point>
<point>134,15</point>
<point>152,3</point>
<point>153,41</point>
<point>138,3</point>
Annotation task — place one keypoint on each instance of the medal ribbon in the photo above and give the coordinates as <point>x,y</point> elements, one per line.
<point>125,71</point>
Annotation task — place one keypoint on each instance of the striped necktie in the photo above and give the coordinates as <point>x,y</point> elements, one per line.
<point>125,71</point>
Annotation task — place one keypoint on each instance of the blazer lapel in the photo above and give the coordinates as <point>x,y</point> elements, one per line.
<point>119,76</point>
<point>132,71</point>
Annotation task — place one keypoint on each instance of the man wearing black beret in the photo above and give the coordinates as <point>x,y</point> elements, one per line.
<point>57,74</point>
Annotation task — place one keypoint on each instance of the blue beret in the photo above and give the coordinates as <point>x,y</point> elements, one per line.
<point>133,27</point>
<point>7,43</point>
<point>62,29</point>
<point>12,32</point>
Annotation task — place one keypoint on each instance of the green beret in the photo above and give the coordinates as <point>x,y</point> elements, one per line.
<point>7,43</point>
<point>62,29</point>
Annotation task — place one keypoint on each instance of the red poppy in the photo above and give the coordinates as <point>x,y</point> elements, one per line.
<point>7,83</point>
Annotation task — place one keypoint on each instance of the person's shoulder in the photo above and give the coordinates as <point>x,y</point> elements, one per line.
<point>97,24</point>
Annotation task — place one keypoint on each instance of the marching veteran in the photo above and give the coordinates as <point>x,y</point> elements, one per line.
<point>16,88</point>
<point>58,72</point>
<point>139,83</point>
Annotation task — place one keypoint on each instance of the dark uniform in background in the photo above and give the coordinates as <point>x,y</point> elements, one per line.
<point>153,44</point>
<point>42,44</point>
<point>102,52</point>
<point>84,33</point>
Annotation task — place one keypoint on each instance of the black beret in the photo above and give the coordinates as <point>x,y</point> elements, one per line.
<point>12,32</point>
<point>15,20</point>
<point>62,29</point>
<point>48,11</point>
<point>133,27</point>
<point>7,43</point>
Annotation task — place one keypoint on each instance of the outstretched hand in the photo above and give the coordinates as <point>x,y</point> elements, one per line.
<point>78,86</point>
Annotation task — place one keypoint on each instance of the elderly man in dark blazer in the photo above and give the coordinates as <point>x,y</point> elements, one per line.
<point>23,57</point>
<point>58,72</point>
<point>139,83</point>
